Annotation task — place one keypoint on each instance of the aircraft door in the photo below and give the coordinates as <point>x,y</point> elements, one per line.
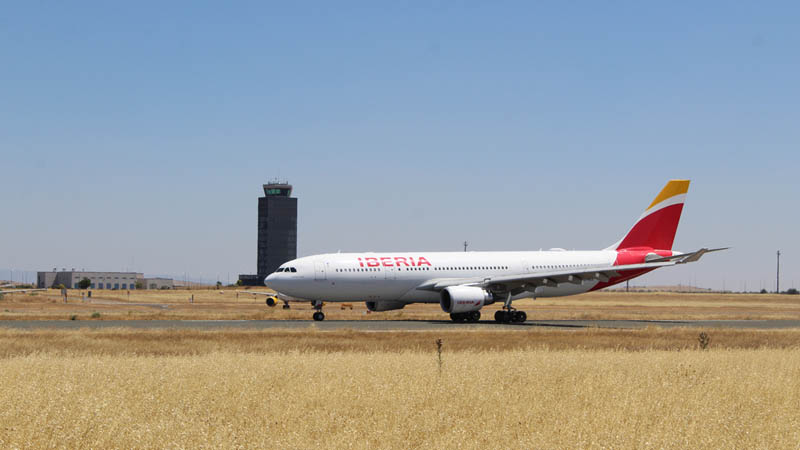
<point>391,273</point>
<point>319,271</point>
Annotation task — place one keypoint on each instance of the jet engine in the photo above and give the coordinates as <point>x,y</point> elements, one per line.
<point>384,306</point>
<point>272,301</point>
<point>461,299</point>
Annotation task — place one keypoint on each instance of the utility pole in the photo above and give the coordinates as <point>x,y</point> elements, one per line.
<point>465,245</point>
<point>778,275</point>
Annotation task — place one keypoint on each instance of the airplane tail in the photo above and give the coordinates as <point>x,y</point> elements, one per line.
<point>657,226</point>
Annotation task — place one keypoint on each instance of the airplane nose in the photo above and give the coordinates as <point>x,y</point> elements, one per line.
<point>270,280</point>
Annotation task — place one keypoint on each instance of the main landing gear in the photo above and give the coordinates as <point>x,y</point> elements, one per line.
<point>512,316</point>
<point>319,316</point>
<point>470,317</point>
<point>509,314</point>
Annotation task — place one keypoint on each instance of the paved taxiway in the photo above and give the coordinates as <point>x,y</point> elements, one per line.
<point>391,325</point>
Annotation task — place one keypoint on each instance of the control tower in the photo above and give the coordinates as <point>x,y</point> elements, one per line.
<point>277,231</point>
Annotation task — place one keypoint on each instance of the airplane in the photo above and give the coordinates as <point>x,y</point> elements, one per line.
<point>464,282</point>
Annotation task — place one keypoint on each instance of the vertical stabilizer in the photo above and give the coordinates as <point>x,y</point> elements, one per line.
<point>657,226</point>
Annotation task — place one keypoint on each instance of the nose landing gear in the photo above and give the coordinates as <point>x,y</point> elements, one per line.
<point>318,316</point>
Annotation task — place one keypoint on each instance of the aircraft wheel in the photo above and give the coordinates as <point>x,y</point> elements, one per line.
<point>519,317</point>
<point>474,316</point>
<point>457,317</point>
<point>498,316</point>
<point>286,306</point>
<point>319,316</point>
<point>270,302</point>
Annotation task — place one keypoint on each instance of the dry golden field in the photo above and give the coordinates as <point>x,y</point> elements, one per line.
<point>540,388</point>
<point>232,396</point>
<point>241,304</point>
<point>170,342</point>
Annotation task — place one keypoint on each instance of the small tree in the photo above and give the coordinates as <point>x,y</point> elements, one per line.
<point>763,291</point>
<point>84,283</point>
<point>59,286</point>
<point>238,282</point>
<point>139,285</point>
<point>219,284</point>
<point>792,291</point>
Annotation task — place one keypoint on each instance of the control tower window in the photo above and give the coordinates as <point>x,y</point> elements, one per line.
<point>277,191</point>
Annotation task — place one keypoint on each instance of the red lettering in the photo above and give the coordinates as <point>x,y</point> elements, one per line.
<point>400,260</point>
<point>423,261</point>
<point>386,261</point>
<point>412,261</point>
<point>360,263</point>
<point>372,262</point>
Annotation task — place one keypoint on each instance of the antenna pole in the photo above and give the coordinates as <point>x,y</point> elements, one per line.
<point>778,275</point>
<point>465,245</point>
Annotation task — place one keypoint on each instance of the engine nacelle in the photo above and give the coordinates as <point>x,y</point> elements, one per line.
<point>272,301</point>
<point>460,299</point>
<point>384,306</point>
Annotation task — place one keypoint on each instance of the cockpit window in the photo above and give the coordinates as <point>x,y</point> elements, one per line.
<point>292,269</point>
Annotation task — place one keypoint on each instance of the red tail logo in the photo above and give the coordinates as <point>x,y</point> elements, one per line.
<point>657,226</point>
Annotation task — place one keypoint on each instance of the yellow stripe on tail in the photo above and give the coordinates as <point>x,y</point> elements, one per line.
<point>673,188</point>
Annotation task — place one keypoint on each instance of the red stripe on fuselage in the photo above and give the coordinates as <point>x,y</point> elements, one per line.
<point>630,256</point>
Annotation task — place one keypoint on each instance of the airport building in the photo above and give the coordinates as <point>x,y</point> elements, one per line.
<point>277,231</point>
<point>101,280</point>
<point>158,283</point>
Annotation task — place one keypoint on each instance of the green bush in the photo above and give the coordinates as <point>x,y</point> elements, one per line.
<point>84,283</point>
<point>95,315</point>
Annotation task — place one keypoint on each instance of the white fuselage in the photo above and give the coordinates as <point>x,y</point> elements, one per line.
<point>346,277</point>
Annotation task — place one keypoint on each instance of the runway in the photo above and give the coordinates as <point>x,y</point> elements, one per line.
<point>391,325</point>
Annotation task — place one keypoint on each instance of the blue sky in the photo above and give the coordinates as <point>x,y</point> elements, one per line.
<point>136,136</point>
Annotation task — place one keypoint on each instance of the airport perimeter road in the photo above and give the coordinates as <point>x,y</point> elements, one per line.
<point>390,325</point>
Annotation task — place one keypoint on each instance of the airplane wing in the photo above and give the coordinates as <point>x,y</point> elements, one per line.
<point>273,297</point>
<point>259,293</point>
<point>530,281</point>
